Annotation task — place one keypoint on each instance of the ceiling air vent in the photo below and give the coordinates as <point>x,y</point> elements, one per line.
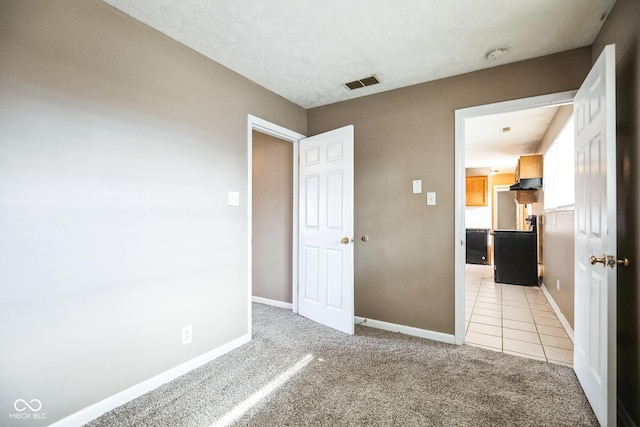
<point>366,81</point>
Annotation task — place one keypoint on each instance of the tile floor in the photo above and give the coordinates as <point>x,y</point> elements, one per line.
<point>513,319</point>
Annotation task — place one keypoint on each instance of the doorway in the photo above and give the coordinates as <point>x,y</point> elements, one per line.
<point>505,211</point>
<point>256,124</point>
<point>272,228</point>
<point>461,116</point>
<point>521,320</point>
<point>320,205</point>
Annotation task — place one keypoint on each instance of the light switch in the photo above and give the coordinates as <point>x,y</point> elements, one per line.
<point>431,198</point>
<point>234,198</point>
<point>417,186</point>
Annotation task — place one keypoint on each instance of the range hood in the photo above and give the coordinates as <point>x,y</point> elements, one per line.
<point>527,184</point>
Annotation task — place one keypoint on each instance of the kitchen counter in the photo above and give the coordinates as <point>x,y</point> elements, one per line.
<point>511,231</point>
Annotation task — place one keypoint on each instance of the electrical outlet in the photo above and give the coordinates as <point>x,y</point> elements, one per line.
<point>187,334</point>
<point>558,284</point>
<point>233,198</point>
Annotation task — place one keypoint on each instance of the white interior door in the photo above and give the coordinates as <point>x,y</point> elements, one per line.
<point>326,229</point>
<point>595,278</point>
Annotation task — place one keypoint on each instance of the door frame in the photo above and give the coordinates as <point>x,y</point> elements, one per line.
<point>257,124</point>
<point>500,188</point>
<point>461,115</point>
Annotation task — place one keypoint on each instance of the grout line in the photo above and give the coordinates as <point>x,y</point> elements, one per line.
<point>501,313</point>
<point>535,324</point>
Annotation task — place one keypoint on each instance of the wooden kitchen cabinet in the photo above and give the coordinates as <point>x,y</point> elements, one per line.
<point>529,167</point>
<point>477,190</point>
<point>525,197</point>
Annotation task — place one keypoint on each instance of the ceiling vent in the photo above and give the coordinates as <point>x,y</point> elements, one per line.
<point>366,81</point>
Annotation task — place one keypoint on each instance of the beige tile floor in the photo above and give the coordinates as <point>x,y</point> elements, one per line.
<point>513,319</point>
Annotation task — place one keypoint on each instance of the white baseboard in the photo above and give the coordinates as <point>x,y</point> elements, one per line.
<point>563,320</point>
<point>624,416</point>
<point>407,330</point>
<point>272,302</point>
<point>97,409</point>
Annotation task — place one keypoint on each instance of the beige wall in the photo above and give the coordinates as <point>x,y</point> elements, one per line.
<point>558,259</point>
<point>272,217</point>
<point>117,149</point>
<point>405,272</point>
<point>557,234</point>
<point>622,29</point>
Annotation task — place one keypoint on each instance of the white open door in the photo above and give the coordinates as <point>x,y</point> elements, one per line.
<point>326,229</point>
<point>595,244</point>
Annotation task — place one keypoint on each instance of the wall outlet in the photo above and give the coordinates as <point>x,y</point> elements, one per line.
<point>233,198</point>
<point>431,198</point>
<point>558,284</point>
<point>187,334</point>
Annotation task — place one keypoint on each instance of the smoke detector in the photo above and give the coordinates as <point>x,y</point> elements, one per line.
<point>497,53</point>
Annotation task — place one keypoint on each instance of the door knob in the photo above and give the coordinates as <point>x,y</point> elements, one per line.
<point>609,260</point>
<point>624,261</point>
<point>612,261</point>
<point>344,240</point>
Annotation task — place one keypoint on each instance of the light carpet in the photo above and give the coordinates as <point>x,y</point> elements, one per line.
<point>375,378</point>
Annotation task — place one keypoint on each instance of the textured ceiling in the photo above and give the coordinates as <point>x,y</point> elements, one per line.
<point>305,50</point>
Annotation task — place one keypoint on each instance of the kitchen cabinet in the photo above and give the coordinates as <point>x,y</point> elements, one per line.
<point>515,257</point>
<point>476,190</point>
<point>524,197</point>
<point>528,173</point>
<point>529,167</point>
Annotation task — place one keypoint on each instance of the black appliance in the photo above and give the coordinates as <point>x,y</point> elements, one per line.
<point>477,252</point>
<point>515,255</point>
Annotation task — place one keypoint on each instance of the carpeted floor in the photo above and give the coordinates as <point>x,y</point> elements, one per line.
<point>374,378</point>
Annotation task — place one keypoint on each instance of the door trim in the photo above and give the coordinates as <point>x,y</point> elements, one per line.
<point>459,184</point>
<point>494,211</point>
<point>277,131</point>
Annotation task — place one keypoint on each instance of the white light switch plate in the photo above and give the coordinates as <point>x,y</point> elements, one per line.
<point>431,198</point>
<point>234,198</point>
<point>417,186</point>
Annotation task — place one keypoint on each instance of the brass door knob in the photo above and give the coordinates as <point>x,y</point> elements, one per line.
<point>612,261</point>
<point>623,261</point>
<point>603,260</point>
<point>609,260</point>
<point>344,240</point>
